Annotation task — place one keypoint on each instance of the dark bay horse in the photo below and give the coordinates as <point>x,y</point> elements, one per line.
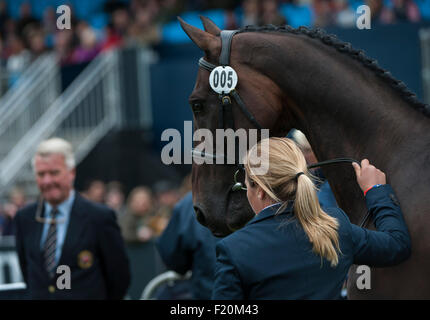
<point>347,106</point>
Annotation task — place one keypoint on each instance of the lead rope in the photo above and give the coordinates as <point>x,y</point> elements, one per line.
<point>340,160</point>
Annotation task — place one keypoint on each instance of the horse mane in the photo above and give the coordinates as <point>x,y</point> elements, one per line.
<point>345,47</point>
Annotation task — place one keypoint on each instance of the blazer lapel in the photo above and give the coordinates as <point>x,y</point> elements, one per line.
<point>38,231</point>
<point>36,238</point>
<point>76,221</point>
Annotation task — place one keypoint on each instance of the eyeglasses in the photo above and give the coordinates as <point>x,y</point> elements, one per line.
<point>41,219</point>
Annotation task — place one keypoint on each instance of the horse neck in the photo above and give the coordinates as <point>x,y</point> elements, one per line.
<point>344,109</point>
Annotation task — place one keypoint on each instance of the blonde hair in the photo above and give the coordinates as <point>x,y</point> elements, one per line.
<point>280,183</point>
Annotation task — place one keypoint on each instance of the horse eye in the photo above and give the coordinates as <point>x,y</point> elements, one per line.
<point>197,107</point>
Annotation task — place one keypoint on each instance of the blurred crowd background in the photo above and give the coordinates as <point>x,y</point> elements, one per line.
<point>142,214</point>
<point>28,28</point>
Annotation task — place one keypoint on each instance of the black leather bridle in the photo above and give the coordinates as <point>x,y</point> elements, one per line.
<point>225,109</point>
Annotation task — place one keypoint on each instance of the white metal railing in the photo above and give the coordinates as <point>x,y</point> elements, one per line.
<point>13,286</point>
<point>168,277</point>
<point>425,62</point>
<point>27,100</point>
<point>9,260</point>
<point>83,114</point>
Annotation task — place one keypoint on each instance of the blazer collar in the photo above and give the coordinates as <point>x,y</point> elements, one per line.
<point>271,212</point>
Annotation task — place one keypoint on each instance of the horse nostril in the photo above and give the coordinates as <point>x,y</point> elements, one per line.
<point>200,216</point>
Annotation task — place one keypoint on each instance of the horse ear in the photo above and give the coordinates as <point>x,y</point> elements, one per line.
<point>204,40</point>
<point>210,26</point>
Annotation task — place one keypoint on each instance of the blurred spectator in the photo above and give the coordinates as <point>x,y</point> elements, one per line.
<point>144,30</point>
<point>9,28</point>
<point>2,219</point>
<point>394,11</point>
<point>186,245</point>
<point>4,16</point>
<point>18,58</point>
<point>166,196</point>
<point>405,10</point>
<point>17,197</point>
<point>344,16</point>
<point>64,42</point>
<point>49,25</point>
<point>3,74</point>
<point>251,12</point>
<point>36,41</point>
<point>166,193</point>
<point>114,197</point>
<point>322,9</point>
<point>16,201</point>
<point>1,56</point>
<point>88,47</point>
<point>379,13</point>
<point>135,223</point>
<point>26,19</point>
<point>118,27</point>
<point>231,20</point>
<point>271,14</point>
<point>170,9</point>
<point>95,191</point>
<point>186,186</point>
<point>9,212</point>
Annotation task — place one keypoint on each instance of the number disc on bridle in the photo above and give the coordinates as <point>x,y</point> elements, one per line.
<point>223,79</point>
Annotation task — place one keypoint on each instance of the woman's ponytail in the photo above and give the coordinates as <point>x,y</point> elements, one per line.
<point>320,228</point>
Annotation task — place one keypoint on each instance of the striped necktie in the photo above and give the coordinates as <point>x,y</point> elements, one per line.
<point>51,244</point>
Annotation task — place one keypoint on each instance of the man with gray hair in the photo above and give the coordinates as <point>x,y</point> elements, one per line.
<point>68,247</point>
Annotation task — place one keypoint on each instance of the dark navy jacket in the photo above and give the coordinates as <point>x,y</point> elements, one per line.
<point>186,245</point>
<point>92,233</point>
<point>325,196</point>
<point>272,258</point>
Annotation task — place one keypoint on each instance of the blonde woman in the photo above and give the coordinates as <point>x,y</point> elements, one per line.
<point>292,249</point>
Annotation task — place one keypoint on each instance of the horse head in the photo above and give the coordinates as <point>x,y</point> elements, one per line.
<point>216,205</point>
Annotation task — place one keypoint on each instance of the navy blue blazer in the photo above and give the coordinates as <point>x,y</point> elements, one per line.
<point>186,245</point>
<point>272,258</point>
<point>93,249</point>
